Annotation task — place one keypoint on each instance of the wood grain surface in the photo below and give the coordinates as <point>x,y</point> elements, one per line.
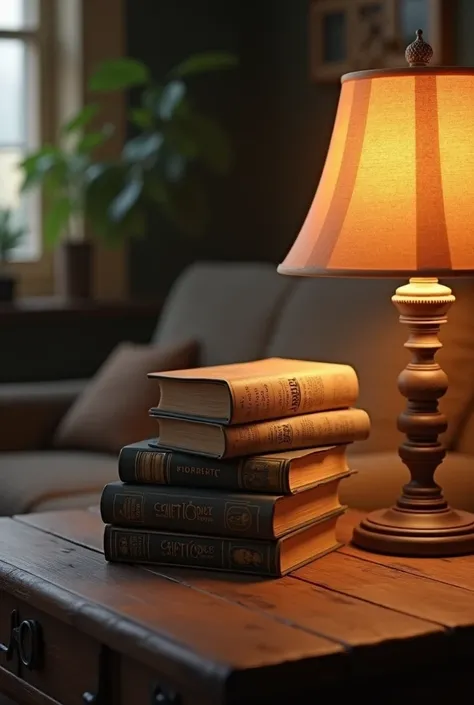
<point>349,615</point>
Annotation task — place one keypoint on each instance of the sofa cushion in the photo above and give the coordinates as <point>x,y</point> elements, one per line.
<point>31,411</point>
<point>229,308</point>
<point>112,410</point>
<point>33,478</point>
<point>381,476</point>
<point>354,321</point>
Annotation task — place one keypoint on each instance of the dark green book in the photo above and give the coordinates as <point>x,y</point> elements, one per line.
<point>265,558</point>
<point>255,516</point>
<point>286,472</point>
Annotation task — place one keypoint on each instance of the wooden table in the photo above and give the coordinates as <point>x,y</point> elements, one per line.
<point>350,624</point>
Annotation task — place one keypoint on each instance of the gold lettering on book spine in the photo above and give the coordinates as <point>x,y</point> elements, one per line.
<point>151,467</point>
<point>131,546</point>
<point>292,395</point>
<point>257,558</point>
<point>186,511</point>
<point>337,426</point>
<point>262,474</point>
<point>240,517</point>
<point>188,550</point>
<point>129,507</point>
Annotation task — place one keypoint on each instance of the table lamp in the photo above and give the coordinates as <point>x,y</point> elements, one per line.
<point>396,199</point>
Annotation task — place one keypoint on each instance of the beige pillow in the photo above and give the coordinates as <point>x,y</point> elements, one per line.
<point>113,408</point>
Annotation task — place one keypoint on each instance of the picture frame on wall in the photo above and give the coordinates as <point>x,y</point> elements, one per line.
<point>353,35</point>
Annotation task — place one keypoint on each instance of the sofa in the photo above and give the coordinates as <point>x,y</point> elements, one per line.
<point>244,311</point>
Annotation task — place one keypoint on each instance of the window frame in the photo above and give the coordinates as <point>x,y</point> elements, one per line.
<point>35,274</point>
<point>74,30</point>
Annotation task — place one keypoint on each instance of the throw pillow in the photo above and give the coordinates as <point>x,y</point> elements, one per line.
<point>112,410</point>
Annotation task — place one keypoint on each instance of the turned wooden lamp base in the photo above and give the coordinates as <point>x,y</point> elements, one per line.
<point>421,523</point>
<point>422,534</point>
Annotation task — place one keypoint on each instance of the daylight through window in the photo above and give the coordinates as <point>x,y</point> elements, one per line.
<point>20,128</point>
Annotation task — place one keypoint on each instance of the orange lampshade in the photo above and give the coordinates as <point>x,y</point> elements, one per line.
<point>396,196</point>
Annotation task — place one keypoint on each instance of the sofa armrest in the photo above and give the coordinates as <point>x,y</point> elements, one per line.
<point>31,411</point>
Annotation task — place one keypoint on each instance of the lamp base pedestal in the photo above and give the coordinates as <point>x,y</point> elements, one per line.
<point>401,532</point>
<point>421,523</point>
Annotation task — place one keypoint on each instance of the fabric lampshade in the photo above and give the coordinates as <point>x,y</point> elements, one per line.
<point>396,196</point>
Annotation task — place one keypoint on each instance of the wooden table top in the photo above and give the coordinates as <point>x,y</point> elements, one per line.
<point>348,616</point>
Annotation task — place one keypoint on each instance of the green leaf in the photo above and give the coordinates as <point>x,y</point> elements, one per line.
<point>57,219</point>
<point>141,117</point>
<point>10,234</point>
<point>93,172</point>
<point>5,218</point>
<point>38,166</point>
<point>143,147</point>
<point>103,189</point>
<point>82,119</point>
<point>173,94</point>
<point>30,162</point>
<point>201,63</point>
<point>151,97</point>
<point>102,183</point>
<point>90,142</point>
<point>118,75</point>
<point>126,199</point>
<point>76,166</point>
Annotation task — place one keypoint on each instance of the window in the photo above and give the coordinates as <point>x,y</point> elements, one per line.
<point>21,126</point>
<point>47,48</point>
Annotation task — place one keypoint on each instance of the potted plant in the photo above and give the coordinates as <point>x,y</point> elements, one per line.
<point>161,166</point>
<point>10,237</point>
<point>174,148</point>
<point>62,172</point>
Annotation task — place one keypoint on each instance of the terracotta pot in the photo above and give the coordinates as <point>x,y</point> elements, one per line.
<point>74,270</point>
<point>7,287</point>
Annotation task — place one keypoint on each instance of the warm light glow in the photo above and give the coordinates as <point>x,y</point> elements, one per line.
<point>397,192</point>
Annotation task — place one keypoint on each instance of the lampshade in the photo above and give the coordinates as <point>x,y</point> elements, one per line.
<point>396,196</point>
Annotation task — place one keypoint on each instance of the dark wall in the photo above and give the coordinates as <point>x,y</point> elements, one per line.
<point>465,27</point>
<point>280,123</point>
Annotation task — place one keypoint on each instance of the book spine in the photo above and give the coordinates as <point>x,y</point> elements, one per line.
<point>215,553</point>
<point>139,505</point>
<point>250,474</point>
<point>303,393</point>
<point>324,428</point>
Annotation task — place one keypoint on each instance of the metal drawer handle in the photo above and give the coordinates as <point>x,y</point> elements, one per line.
<point>26,639</point>
<point>29,643</point>
<point>164,696</point>
<point>9,648</point>
<point>101,697</point>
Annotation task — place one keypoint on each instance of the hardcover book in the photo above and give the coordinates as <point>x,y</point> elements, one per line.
<point>239,555</point>
<point>290,433</point>
<point>287,472</point>
<point>245,392</point>
<point>255,516</point>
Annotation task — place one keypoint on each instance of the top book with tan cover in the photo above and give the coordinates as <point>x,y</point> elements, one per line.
<point>245,392</point>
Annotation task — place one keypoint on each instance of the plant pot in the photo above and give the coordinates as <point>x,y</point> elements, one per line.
<point>7,288</point>
<point>74,270</point>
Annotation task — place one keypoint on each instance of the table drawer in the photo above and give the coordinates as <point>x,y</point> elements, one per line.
<point>140,685</point>
<point>46,653</point>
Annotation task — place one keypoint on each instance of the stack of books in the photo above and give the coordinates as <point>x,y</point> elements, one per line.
<point>245,470</point>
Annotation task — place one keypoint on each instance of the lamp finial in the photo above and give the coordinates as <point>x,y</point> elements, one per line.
<point>419,52</point>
